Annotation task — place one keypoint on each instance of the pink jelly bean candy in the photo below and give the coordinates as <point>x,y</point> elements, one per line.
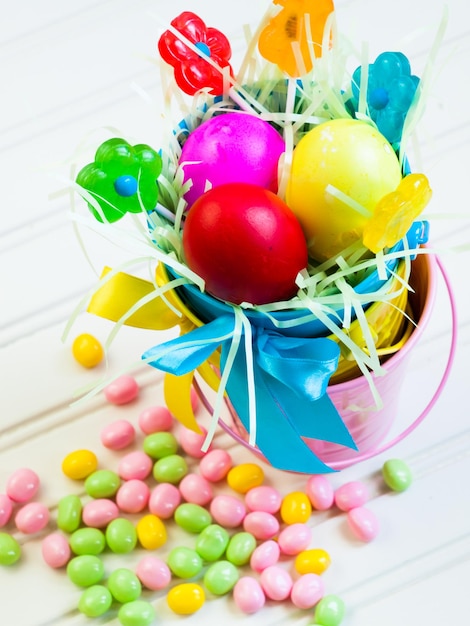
<point>320,492</point>
<point>263,498</point>
<point>118,435</point>
<point>155,419</point>
<point>228,511</point>
<point>164,500</point>
<point>351,495</point>
<point>6,508</point>
<point>32,518</point>
<point>98,513</point>
<point>307,591</point>
<point>215,465</point>
<point>55,550</point>
<point>135,465</point>
<point>276,583</point>
<point>248,595</point>
<point>196,489</point>
<point>133,496</point>
<point>192,442</point>
<point>153,573</point>
<point>363,523</point>
<point>22,485</point>
<point>295,538</point>
<point>261,525</point>
<point>265,555</point>
<point>122,390</point>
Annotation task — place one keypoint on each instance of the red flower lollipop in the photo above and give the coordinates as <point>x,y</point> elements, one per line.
<point>192,71</point>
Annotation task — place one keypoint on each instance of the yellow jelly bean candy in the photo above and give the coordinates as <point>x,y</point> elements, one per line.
<point>186,598</point>
<point>296,508</point>
<point>87,350</point>
<point>314,561</point>
<point>79,464</point>
<point>151,532</point>
<point>244,477</point>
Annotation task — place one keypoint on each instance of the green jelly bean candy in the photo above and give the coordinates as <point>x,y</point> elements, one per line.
<point>69,513</point>
<point>102,484</point>
<point>85,570</point>
<point>124,585</point>
<point>137,613</point>
<point>184,562</point>
<point>240,548</point>
<point>397,475</point>
<point>192,517</point>
<point>160,445</point>
<point>220,577</point>
<point>87,541</point>
<point>170,469</point>
<point>95,601</point>
<point>329,611</point>
<point>212,542</point>
<point>121,535</point>
<point>10,549</point>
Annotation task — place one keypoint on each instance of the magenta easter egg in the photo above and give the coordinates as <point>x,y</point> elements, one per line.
<point>234,147</point>
<point>245,243</point>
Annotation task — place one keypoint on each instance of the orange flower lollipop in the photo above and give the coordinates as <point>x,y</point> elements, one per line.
<point>286,40</point>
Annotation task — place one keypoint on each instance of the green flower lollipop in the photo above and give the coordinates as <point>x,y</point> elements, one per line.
<point>122,179</point>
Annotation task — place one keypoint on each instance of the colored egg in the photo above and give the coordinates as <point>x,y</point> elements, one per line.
<point>186,598</point>
<point>6,509</point>
<point>196,489</point>
<point>261,524</point>
<point>184,562</point>
<point>245,243</point>
<point>364,523</point>
<point>320,492</point>
<point>136,613</point>
<point>220,577</point>
<point>295,508</point>
<point>245,476</point>
<point>212,542</point>
<point>135,465</point>
<point>192,517</point>
<point>155,419</point>
<point>151,532</point>
<point>85,570</point>
<point>330,611</point>
<point>121,536</point>
<point>228,511</point>
<point>351,495</point>
<point>248,595</point>
<point>313,561</point>
<point>240,548</point>
<point>133,496</point>
<point>123,390</point>
<point>10,549</point>
<point>117,435</point>
<point>263,498</point>
<point>192,442</point>
<point>69,513</point>
<point>234,147</point>
<point>159,445</point>
<point>294,538</point>
<point>307,591</point>
<point>170,469</point>
<point>276,583</point>
<point>55,550</point>
<point>32,517</point>
<point>95,601</point>
<point>349,156</point>
<point>99,513</point>
<point>164,499</point>
<point>102,484</point>
<point>79,464</point>
<point>153,573</point>
<point>124,585</point>
<point>397,475</point>
<point>22,485</point>
<point>215,465</point>
<point>87,541</point>
<point>265,555</point>
<point>87,350</point>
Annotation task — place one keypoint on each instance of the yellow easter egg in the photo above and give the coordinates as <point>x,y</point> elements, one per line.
<point>340,170</point>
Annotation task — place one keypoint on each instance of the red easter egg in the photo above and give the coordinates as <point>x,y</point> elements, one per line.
<point>246,244</point>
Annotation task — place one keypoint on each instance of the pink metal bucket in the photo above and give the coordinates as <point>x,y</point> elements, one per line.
<point>368,424</point>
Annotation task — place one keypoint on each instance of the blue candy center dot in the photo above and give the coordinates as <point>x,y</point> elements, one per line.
<point>203,47</point>
<point>378,98</point>
<point>126,185</point>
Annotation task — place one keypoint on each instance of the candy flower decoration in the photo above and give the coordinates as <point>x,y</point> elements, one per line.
<point>390,91</point>
<point>192,70</point>
<point>294,33</point>
<point>122,179</point>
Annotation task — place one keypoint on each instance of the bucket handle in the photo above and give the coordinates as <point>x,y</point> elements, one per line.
<point>445,375</point>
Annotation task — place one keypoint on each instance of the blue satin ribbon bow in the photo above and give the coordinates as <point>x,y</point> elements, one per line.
<point>290,378</point>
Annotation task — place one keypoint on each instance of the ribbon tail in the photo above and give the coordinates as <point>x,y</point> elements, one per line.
<point>177,393</point>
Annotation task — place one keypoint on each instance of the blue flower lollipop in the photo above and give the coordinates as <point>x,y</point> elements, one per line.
<point>390,91</point>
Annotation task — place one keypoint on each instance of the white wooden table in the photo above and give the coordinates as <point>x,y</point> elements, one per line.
<point>71,69</point>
